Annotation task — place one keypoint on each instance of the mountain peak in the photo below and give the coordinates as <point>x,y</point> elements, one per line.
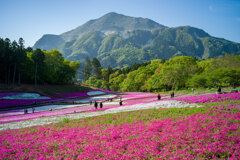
<point>113,14</point>
<point>112,23</point>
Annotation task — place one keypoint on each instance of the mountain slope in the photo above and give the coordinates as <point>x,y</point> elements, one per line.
<point>119,41</point>
<point>112,23</point>
<point>49,41</point>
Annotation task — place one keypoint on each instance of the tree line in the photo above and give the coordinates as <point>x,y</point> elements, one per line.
<point>173,74</point>
<point>25,65</point>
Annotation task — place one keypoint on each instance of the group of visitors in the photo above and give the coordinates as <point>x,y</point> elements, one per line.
<point>96,104</point>
<point>101,103</point>
<point>26,110</point>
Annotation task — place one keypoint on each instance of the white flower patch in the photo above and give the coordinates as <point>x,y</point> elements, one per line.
<point>55,119</point>
<point>93,93</point>
<point>96,98</point>
<point>25,96</point>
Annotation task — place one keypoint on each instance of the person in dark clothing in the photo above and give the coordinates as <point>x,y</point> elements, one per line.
<point>101,104</point>
<point>95,105</point>
<point>172,95</point>
<point>90,102</point>
<point>120,103</point>
<point>33,109</point>
<point>25,111</point>
<point>219,90</point>
<point>159,97</point>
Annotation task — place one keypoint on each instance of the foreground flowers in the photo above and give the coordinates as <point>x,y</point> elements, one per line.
<point>175,133</point>
<point>202,135</point>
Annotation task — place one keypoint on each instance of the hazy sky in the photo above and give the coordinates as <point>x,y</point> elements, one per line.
<point>30,19</point>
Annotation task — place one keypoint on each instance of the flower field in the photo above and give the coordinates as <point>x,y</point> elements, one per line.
<point>211,132</point>
<point>19,99</point>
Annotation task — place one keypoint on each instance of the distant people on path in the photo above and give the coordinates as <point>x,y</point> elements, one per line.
<point>25,111</point>
<point>192,90</point>
<point>172,94</point>
<point>33,109</point>
<point>219,90</point>
<point>234,85</point>
<point>90,102</point>
<point>159,97</point>
<point>120,103</point>
<point>101,104</point>
<point>95,104</point>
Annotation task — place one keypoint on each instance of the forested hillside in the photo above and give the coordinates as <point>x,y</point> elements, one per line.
<point>120,41</point>
<point>24,65</point>
<point>175,73</point>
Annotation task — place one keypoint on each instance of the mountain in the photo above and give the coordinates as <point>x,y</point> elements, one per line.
<point>118,41</point>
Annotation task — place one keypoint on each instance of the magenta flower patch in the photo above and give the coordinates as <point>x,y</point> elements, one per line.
<point>203,135</point>
<point>209,98</point>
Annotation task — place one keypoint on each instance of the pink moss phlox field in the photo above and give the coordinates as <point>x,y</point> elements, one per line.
<point>72,94</point>
<point>16,118</point>
<point>138,95</point>
<point>200,136</point>
<point>4,94</point>
<point>128,99</point>
<point>209,98</point>
<point>20,102</point>
<point>226,107</point>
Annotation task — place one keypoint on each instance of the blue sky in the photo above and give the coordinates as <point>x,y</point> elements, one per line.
<point>30,19</point>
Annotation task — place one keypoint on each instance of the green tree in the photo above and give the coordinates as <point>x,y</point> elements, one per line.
<point>176,71</point>
<point>87,69</point>
<point>21,58</point>
<point>8,56</point>
<point>38,58</point>
<point>14,49</point>
<point>223,77</point>
<point>96,68</point>
<point>197,80</point>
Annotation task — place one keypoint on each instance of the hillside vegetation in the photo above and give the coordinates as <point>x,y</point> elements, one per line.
<point>24,65</point>
<point>176,73</point>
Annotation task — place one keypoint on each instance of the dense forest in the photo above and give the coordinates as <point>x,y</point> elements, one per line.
<point>176,73</point>
<point>24,65</point>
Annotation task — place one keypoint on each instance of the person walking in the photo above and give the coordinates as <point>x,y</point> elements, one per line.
<point>25,111</point>
<point>33,109</point>
<point>101,105</point>
<point>172,94</point>
<point>192,90</point>
<point>120,103</point>
<point>219,90</point>
<point>159,97</point>
<point>95,104</point>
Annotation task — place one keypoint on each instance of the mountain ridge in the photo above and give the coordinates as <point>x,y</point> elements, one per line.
<point>118,41</point>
